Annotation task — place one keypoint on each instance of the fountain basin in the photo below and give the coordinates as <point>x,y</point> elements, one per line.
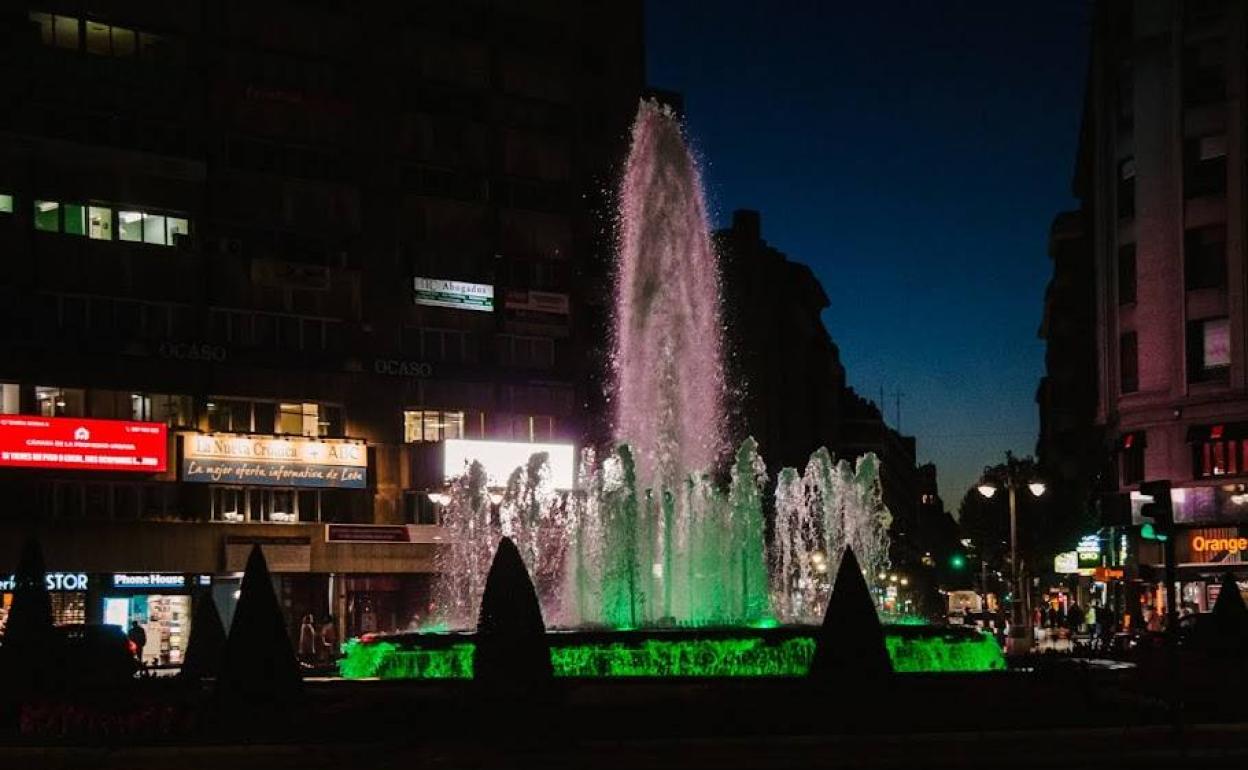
<point>677,653</point>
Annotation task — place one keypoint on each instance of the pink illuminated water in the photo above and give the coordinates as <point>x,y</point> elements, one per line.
<point>668,348</point>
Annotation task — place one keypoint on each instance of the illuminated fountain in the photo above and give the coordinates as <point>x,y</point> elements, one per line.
<point>644,538</point>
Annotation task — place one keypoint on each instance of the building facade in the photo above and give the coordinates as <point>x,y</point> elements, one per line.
<point>1160,173</point>
<point>310,241</point>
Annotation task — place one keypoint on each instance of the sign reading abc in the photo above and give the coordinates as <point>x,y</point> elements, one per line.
<point>222,458</point>
<point>81,444</point>
<point>55,581</point>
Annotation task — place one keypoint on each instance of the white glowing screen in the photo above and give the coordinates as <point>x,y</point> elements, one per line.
<point>500,458</point>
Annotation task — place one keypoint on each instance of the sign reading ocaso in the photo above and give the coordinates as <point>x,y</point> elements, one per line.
<point>70,442</point>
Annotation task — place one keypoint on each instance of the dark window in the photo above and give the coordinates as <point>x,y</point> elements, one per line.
<point>1126,274</point>
<point>1131,458</point>
<point>1205,257</point>
<point>1204,72</point>
<point>1204,166</point>
<point>1208,350</point>
<point>1126,189</point>
<point>1129,362</point>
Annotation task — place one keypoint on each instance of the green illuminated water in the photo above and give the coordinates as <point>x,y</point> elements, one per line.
<point>745,656</point>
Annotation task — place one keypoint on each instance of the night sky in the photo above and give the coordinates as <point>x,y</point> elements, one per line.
<point>914,154</point>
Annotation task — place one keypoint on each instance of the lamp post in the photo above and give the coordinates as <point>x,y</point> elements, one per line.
<point>1020,623</point>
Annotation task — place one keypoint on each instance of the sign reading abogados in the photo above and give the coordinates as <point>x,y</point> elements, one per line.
<point>277,462</point>
<point>454,294</point>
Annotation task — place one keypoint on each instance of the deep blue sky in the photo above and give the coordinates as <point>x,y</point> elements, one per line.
<point>914,154</point>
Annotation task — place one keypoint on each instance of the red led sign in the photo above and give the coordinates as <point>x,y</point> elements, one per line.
<point>90,445</point>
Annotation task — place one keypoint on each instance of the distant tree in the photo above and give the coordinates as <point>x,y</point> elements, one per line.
<point>259,665</point>
<point>206,648</point>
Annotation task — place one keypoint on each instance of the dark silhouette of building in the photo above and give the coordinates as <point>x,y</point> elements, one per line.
<point>789,383</point>
<point>787,372</point>
<point>304,230</point>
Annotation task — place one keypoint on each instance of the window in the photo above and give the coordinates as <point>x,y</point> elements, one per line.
<point>1126,188</point>
<point>1204,72</point>
<point>48,216</point>
<point>531,352</point>
<point>282,506</point>
<point>130,226</point>
<point>1126,274</point>
<point>10,398</point>
<point>1204,166</point>
<point>61,402</point>
<point>75,219</point>
<point>172,410</point>
<point>6,204</point>
<point>1131,457</point>
<point>1204,259</point>
<point>154,229</point>
<point>66,31</point>
<point>98,39</point>
<point>100,223</point>
<point>419,509</point>
<point>1129,362</point>
<point>1208,350</point>
<point>525,427</point>
<point>299,419</point>
<point>229,416</point>
<point>1218,458</point>
<point>177,226</point>
<point>432,425</point>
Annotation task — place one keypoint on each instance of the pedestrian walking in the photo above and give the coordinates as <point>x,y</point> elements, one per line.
<point>1074,617</point>
<point>137,637</point>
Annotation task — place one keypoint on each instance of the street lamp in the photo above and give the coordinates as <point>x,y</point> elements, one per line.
<point>1020,623</point>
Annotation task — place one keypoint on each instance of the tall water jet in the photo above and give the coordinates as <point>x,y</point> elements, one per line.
<point>668,350</point>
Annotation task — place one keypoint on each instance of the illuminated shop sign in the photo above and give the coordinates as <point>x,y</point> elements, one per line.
<point>222,458</point>
<point>1066,563</point>
<point>437,292</point>
<point>1202,544</point>
<point>1088,551</point>
<point>81,444</point>
<point>500,458</point>
<point>55,581</point>
<point>148,580</point>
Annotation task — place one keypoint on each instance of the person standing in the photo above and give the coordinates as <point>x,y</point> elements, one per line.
<point>329,639</point>
<point>307,640</point>
<point>137,637</point>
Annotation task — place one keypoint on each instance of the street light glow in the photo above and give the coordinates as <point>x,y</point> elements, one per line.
<point>1037,488</point>
<point>987,490</point>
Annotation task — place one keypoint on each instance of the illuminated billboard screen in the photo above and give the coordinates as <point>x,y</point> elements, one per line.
<point>500,458</point>
<point>91,445</point>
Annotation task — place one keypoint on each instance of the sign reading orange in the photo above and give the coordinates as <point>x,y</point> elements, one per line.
<point>1202,544</point>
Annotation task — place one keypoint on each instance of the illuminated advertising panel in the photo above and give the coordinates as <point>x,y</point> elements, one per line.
<point>500,458</point>
<point>460,295</point>
<point>224,458</point>
<point>28,441</point>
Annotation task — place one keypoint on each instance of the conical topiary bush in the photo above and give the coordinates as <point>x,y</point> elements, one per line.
<point>1224,632</point>
<point>512,651</point>
<point>850,643</point>
<point>29,653</point>
<point>259,664</point>
<point>206,650</point>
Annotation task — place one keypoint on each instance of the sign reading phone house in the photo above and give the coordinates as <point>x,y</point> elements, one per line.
<point>223,458</point>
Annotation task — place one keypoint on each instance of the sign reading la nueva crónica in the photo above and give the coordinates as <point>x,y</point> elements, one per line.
<point>277,462</point>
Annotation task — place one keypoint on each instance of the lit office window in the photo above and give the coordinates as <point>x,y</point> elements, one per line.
<point>100,223</point>
<point>66,31</point>
<point>75,219</point>
<point>10,398</point>
<point>130,226</point>
<point>123,42</point>
<point>299,419</point>
<point>98,39</point>
<point>61,402</point>
<point>6,204</point>
<point>154,229</point>
<point>177,226</point>
<point>48,216</point>
<point>432,425</point>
